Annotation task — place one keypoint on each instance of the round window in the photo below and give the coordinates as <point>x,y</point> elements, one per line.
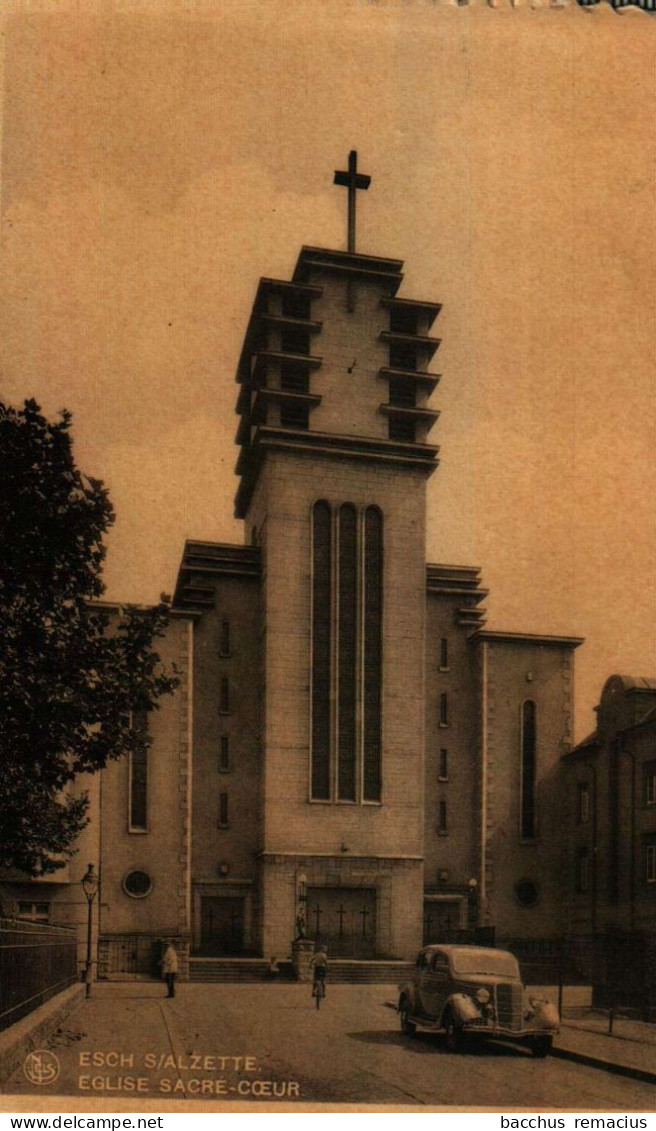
<point>527,893</point>
<point>137,884</point>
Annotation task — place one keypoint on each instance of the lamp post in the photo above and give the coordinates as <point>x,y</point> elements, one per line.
<point>90,889</point>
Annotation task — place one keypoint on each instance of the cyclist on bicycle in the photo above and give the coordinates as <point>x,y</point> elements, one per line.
<point>319,964</point>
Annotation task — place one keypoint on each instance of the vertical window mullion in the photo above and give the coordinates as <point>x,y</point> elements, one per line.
<point>528,770</point>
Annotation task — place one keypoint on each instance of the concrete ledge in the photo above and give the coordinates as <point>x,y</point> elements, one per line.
<point>593,1061</point>
<point>32,1032</point>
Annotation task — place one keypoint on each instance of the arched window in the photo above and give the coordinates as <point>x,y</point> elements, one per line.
<point>527,819</point>
<point>321,648</point>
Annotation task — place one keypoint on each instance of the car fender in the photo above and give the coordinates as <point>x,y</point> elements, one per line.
<point>462,1006</point>
<point>545,1015</point>
<point>407,991</point>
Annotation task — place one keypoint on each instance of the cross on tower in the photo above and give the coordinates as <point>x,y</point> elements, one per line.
<point>353,181</point>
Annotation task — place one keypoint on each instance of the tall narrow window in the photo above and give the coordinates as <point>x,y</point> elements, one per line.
<point>347,653</point>
<point>224,648</point>
<point>650,861</point>
<point>444,654</point>
<point>321,648</point>
<point>223,810</point>
<point>649,783</point>
<point>138,770</point>
<point>373,628</point>
<point>441,819</point>
<point>224,754</point>
<point>224,696</point>
<point>583,869</point>
<point>584,803</point>
<point>443,771</point>
<point>444,709</point>
<point>528,770</point>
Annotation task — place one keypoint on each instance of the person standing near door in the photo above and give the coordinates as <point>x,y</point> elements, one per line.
<point>169,964</point>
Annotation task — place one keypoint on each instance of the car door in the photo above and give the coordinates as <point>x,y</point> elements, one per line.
<point>435,979</point>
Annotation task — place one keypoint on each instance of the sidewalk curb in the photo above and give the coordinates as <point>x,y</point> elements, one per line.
<point>606,1065</point>
<point>32,1032</point>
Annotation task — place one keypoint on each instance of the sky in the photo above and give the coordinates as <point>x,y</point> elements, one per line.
<point>158,158</point>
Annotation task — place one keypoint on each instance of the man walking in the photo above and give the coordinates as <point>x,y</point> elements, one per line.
<point>169,964</point>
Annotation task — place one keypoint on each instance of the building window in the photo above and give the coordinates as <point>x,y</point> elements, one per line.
<point>224,755</point>
<point>441,819</point>
<point>34,912</point>
<point>294,415</point>
<point>583,869</point>
<point>321,650</point>
<point>346,653</point>
<point>224,696</point>
<point>402,356</point>
<point>138,775</point>
<point>403,320</point>
<point>295,305</point>
<point>294,380</point>
<point>402,393</point>
<point>223,810</point>
<point>583,807</point>
<point>649,783</point>
<point>224,646</point>
<point>401,428</point>
<point>528,770</point>
<point>347,640</point>
<point>443,771</point>
<point>137,884</point>
<point>444,654</point>
<point>373,653</point>
<point>527,893</point>
<point>444,709</point>
<point>650,859</point>
<point>295,339</point>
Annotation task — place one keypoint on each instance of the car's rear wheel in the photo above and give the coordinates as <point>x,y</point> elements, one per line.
<point>541,1046</point>
<point>407,1026</point>
<point>454,1034</point>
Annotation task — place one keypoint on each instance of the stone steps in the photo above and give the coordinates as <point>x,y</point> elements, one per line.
<point>254,970</point>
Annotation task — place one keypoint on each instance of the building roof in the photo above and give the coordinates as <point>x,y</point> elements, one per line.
<point>528,638</point>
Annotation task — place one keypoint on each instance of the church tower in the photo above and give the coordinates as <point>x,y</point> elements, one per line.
<point>334,406</point>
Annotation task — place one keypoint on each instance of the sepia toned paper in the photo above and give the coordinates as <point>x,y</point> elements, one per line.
<point>157,160</point>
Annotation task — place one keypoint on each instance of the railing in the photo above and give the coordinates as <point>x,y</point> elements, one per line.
<point>618,966</point>
<point>37,961</point>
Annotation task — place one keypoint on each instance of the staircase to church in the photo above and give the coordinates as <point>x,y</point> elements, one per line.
<point>237,970</point>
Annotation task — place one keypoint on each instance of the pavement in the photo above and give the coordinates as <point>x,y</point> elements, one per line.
<point>124,1015</point>
<point>630,1050</point>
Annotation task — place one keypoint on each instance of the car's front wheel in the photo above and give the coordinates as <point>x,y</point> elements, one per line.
<point>408,1027</point>
<point>541,1046</point>
<point>454,1034</point>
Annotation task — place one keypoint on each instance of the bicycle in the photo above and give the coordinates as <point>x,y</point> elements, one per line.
<point>319,991</point>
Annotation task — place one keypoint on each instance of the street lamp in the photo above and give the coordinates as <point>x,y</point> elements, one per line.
<point>90,889</point>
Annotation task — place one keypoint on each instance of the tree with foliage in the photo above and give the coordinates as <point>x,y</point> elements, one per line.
<point>71,674</point>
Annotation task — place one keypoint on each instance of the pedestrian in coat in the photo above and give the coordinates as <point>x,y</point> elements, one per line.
<point>169,964</point>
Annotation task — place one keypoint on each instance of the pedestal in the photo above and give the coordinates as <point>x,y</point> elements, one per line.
<point>302,951</point>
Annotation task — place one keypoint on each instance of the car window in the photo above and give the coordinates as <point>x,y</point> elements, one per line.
<point>482,961</point>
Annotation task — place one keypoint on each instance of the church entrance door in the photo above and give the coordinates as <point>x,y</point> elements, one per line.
<point>222,924</point>
<point>344,919</point>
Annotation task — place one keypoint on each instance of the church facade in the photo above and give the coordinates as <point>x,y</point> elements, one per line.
<point>351,754</point>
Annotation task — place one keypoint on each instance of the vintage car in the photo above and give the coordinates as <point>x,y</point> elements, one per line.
<point>477,991</point>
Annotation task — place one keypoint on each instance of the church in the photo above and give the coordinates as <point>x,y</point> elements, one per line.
<point>352,755</point>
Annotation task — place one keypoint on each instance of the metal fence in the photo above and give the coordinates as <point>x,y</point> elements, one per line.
<point>619,966</point>
<point>37,961</point>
